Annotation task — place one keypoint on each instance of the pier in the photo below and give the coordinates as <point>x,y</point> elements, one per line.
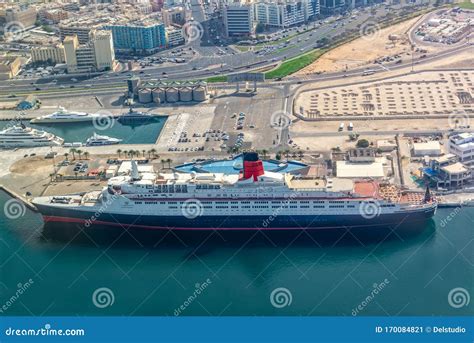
<point>18,197</point>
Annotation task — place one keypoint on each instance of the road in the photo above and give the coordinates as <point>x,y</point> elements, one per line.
<point>208,63</point>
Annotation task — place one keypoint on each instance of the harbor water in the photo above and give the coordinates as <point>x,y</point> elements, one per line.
<point>411,272</point>
<point>145,132</point>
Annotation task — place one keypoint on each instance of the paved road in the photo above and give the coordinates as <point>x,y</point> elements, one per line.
<point>207,64</point>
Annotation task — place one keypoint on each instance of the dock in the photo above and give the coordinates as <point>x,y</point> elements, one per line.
<point>18,197</point>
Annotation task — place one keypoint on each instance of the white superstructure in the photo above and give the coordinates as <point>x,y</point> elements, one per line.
<point>64,116</point>
<point>22,136</point>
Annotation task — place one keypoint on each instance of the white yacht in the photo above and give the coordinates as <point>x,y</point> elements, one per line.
<point>64,116</point>
<point>22,136</point>
<point>134,116</point>
<point>97,140</point>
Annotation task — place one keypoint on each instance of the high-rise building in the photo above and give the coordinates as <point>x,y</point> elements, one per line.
<point>138,37</point>
<point>103,45</point>
<point>96,55</point>
<point>285,13</point>
<point>239,19</point>
<point>331,6</point>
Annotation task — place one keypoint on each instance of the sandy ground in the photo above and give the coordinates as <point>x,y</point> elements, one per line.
<point>364,50</point>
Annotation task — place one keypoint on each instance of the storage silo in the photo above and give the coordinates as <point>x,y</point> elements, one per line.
<point>144,95</point>
<point>186,94</point>
<point>158,95</point>
<point>199,93</point>
<point>172,94</point>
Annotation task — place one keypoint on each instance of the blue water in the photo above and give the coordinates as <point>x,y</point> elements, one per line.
<point>143,133</point>
<point>234,166</point>
<point>155,275</point>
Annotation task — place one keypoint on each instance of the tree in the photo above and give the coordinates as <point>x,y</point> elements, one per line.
<point>79,152</point>
<point>362,143</point>
<point>73,151</point>
<point>153,151</point>
<point>66,155</point>
<point>163,164</point>
<point>300,154</point>
<point>169,160</point>
<point>143,152</point>
<point>86,154</point>
<point>125,152</point>
<point>264,154</point>
<point>119,151</point>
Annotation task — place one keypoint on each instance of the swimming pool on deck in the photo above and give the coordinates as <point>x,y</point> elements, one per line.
<point>235,166</point>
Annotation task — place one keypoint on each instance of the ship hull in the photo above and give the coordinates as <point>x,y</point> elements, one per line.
<point>228,223</point>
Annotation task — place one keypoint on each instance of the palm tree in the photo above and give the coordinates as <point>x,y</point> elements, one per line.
<point>73,151</point>
<point>86,154</point>
<point>300,154</point>
<point>119,151</point>
<point>163,164</point>
<point>153,151</point>
<point>287,153</point>
<point>143,152</point>
<point>264,154</point>
<point>169,160</point>
<point>66,155</point>
<point>125,152</point>
<point>79,152</point>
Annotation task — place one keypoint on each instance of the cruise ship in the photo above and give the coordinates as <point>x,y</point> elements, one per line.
<point>64,116</point>
<point>22,136</point>
<point>253,200</point>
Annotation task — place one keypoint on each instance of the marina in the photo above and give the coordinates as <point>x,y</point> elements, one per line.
<point>130,133</point>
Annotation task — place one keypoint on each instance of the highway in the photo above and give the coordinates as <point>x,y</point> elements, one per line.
<point>208,62</point>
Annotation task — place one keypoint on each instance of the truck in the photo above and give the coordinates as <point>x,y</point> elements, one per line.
<point>341,126</point>
<point>350,127</point>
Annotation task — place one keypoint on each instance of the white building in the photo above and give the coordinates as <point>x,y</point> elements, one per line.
<point>239,19</point>
<point>285,13</point>
<point>431,148</point>
<point>462,145</point>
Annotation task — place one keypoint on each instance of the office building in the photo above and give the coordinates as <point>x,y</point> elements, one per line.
<point>96,55</point>
<point>138,37</point>
<point>50,54</point>
<point>239,19</point>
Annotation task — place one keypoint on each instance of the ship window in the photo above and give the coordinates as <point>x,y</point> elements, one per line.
<point>305,206</point>
<point>170,189</point>
<point>165,188</point>
<point>184,188</point>
<point>318,206</point>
